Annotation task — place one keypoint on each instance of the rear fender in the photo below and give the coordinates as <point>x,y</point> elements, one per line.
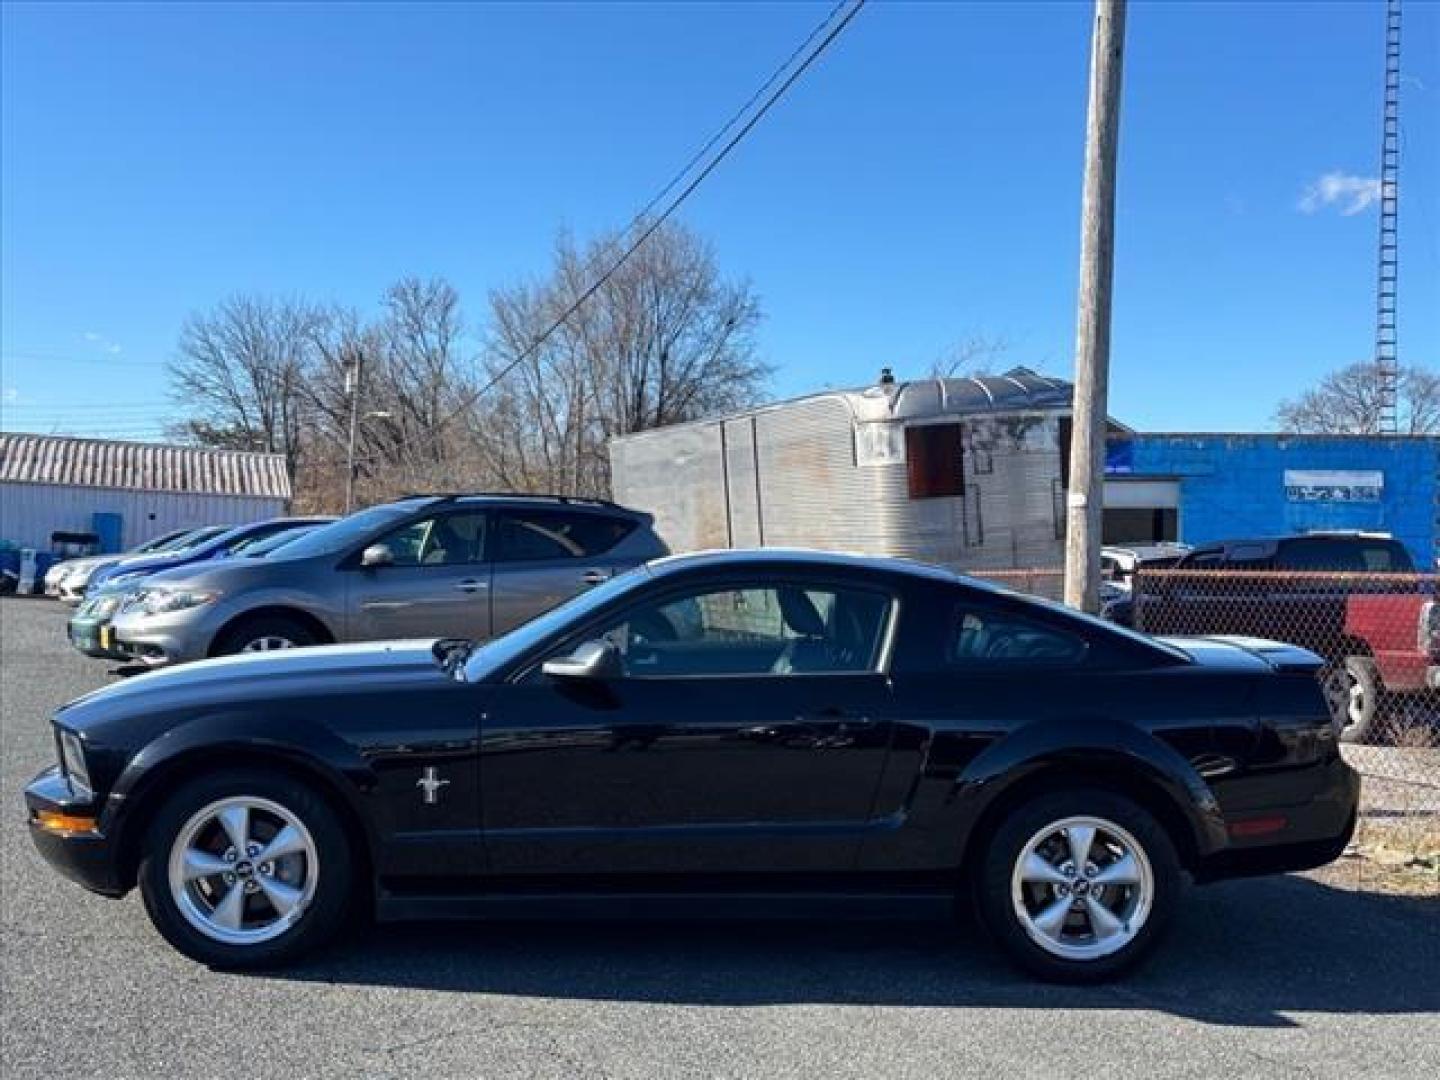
<point>1109,749</point>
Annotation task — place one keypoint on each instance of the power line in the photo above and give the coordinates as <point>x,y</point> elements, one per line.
<point>851,8</point>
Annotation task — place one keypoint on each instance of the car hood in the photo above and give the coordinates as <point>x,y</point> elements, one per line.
<point>212,573</point>
<point>90,563</point>
<point>214,685</point>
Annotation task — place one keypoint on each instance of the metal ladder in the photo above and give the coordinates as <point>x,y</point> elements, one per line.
<point>1387,359</point>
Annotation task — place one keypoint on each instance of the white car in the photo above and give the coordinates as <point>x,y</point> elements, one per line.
<point>67,580</point>
<point>1119,562</point>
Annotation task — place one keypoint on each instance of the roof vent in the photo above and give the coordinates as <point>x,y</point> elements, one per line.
<point>887,377</point>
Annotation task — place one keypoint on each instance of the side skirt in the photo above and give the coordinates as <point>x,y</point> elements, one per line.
<point>921,906</point>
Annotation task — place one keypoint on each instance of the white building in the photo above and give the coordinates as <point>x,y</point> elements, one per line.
<point>129,492</point>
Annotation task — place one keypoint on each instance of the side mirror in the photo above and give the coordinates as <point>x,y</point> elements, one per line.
<point>597,660</point>
<point>377,555</point>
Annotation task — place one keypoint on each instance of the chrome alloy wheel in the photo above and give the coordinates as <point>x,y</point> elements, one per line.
<point>243,870</point>
<point>1082,888</point>
<point>268,643</point>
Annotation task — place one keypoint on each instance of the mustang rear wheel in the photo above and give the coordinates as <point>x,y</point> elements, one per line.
<point>1078,885</point>
<point>245,869</point>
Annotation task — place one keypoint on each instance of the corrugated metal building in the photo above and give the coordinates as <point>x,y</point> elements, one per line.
<point>129,492</point>
<point>965,472</point>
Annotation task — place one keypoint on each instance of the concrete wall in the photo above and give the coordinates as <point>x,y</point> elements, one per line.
<point>29,513</point>
<point>1233,485</point>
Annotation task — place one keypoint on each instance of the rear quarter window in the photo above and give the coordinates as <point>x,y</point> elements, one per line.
<point>549,534</point>
<point>982,639</point>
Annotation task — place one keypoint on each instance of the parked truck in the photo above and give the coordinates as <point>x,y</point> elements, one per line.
<point>1354,598</point>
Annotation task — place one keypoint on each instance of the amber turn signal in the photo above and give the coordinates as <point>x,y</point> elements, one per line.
<point>56,822</point>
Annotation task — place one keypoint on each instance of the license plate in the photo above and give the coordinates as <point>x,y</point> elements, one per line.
<point>107,636</point>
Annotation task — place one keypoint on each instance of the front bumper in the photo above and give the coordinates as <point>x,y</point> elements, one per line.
<point>159,640</point>
<point>89,859</point>
<point>94,637</point>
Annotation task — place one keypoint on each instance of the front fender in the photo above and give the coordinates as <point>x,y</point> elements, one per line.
<point>306,746</point>
<point>1102,747</point>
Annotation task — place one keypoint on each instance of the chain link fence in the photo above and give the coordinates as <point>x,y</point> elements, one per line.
<point>1379,635</point>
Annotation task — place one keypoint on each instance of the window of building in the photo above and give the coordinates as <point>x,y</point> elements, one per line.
<point>934,460</point>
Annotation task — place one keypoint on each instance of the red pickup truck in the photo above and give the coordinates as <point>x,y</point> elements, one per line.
<point>1354,598</point>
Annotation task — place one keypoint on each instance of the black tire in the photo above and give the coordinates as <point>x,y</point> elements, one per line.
<point>1356,696</point>
<point>995,901</point>
<point>319,919</point>
<point>238,638</point>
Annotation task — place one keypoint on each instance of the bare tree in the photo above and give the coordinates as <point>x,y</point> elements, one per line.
<point>409,373</point>
<point>974,355</point>
<point>1347,402</point>
<point>665,339</point>
<point>240,372</point>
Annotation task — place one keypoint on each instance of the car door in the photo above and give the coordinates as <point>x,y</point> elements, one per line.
<point>436,584</point>
<point>542,557</point>
<point>747,733</point>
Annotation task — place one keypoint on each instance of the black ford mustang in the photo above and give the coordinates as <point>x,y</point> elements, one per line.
<point>743,733</point>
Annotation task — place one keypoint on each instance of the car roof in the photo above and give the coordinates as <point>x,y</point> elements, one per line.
<point>511,498</point>
<point>1286,538</point>
<point>781,558</point>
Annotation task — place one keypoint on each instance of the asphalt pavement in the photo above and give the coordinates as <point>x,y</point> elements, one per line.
<point>1279,977</point>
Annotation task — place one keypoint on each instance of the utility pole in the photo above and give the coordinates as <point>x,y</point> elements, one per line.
<point>352,387</point>
<point>1084,501</point>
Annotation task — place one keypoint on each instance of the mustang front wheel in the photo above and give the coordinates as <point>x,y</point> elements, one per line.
<point>1077,885</point>
<point>245,869</point>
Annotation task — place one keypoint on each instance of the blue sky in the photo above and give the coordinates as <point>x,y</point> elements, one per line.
<point>920,186</point>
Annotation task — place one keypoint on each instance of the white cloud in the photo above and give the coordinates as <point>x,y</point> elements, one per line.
<point>101,342</point>
<point>1350,194</point>
<point>9,395</point>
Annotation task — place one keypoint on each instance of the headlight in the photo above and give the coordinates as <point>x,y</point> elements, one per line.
<point>103,605</point>
<point>162,601</point>
<point>72,757</point>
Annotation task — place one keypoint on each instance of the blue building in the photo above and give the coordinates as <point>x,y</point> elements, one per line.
<point>1201,487</point>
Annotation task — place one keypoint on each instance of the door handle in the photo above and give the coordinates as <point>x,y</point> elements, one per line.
<point>471,585</point>
<point>594,577</point>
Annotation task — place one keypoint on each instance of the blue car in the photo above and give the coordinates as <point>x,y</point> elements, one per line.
<point>226,544</point>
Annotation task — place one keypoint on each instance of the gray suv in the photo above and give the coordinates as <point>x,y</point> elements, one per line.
<point>469,566</point>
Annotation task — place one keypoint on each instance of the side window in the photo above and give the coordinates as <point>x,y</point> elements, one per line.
<point>779,630</point>
<point>983,639</point>
<point>1249,557</point>
<point>550,534</point>
<point>447,540</point>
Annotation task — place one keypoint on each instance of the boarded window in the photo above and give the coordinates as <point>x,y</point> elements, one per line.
<point>934,460</point>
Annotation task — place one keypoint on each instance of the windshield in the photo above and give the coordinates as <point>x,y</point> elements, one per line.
<point>508,647</point>
<point>342,534</point>
<point>196,538</point>
<point>160,543</point>
<point>265,545</point>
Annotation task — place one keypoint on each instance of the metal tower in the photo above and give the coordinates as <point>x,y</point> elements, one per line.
<point>1387,359</point>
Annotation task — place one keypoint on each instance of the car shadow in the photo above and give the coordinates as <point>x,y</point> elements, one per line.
<point>1241,953</point>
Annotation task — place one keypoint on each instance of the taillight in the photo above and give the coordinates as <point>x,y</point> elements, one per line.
<point>1428,638</point>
